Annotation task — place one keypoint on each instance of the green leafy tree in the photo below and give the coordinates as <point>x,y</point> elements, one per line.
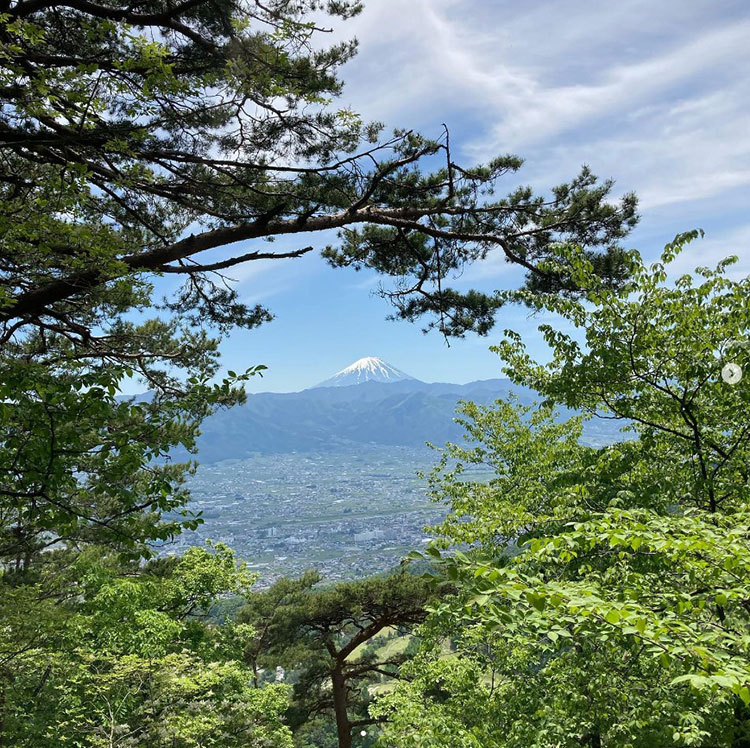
<point>267,612</point>
<point>321,635</point>
<point>130,662</point>
<point>92,640</point>
<point>146,139</point>
<point>81,466</point>
<point>604,601</point>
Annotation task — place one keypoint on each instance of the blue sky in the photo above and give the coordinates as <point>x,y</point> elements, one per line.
<point>652,94</point>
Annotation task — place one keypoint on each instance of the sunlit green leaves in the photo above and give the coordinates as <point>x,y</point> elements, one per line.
<point>618,575</point>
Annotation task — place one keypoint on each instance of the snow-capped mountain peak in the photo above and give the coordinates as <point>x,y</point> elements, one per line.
<point>368,369</point>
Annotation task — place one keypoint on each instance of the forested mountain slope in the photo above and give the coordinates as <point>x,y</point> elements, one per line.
<point>403,413</point>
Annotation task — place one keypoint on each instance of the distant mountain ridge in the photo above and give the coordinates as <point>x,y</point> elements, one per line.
<point>404,412</point>
<point>368,369</point>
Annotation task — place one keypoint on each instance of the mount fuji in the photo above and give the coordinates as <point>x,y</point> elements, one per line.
<point>386,407</point>
<point>368,369</point>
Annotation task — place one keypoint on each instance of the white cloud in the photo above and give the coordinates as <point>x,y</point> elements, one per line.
<point>535,111</point>
<point>654,94</point>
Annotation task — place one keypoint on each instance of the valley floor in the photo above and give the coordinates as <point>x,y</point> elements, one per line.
<point>347,514</point>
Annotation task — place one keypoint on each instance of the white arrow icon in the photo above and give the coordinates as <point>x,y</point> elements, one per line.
<point>731,373</point>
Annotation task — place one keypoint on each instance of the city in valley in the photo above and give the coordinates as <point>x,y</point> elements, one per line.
<point>347,514</point>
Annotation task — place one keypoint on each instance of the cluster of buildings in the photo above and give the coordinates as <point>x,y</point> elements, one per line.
<point>347,515</point>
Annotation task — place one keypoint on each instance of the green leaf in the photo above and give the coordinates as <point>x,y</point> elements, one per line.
<point>612,616</point>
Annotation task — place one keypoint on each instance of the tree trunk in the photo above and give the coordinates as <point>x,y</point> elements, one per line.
<point>339,705</point>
